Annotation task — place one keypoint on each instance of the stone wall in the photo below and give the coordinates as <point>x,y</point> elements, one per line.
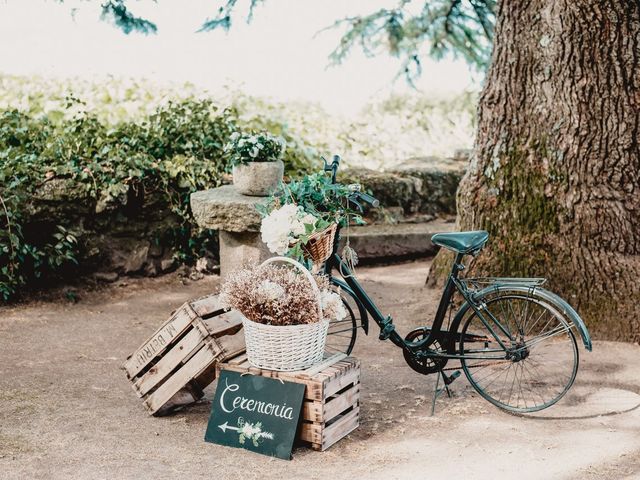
<point>124,234</point>
<point>419,190</point>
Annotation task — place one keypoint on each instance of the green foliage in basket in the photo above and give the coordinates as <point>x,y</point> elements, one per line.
<point>317,196</point>
<point>320,203</point>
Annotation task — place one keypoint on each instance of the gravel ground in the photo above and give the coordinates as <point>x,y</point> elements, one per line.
<point>67,410</point>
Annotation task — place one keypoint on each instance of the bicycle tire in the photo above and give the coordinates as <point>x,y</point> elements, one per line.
<point>543,365</point>
<point>342,334</point>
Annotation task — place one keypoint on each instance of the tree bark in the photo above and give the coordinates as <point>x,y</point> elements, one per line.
<point>555,175</point>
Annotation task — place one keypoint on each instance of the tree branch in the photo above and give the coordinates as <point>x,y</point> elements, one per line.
<point>116,11</point>
<point>442,27</point>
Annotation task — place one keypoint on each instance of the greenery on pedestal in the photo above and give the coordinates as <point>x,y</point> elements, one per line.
<point>249,147</point>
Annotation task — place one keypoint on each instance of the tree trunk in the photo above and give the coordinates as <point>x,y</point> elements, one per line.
<point>555,176</point>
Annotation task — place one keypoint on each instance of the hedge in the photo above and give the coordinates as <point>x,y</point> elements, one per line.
<point>172,152</point>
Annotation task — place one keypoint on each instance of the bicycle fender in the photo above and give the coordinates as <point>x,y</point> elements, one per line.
<point>363,312</point>
<point>551,297</point>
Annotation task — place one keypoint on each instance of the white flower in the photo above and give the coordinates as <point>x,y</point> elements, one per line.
<point>248,430</point>
<point>254,152</point>
<point>284,226</point>
<point>269,291</point>
<point>297,228</point>
<point>234,136</point>
<point>332,305</point>
<point>277,227</point>
<point>309,219</point>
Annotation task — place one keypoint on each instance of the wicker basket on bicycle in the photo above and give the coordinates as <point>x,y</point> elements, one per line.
<point>320,245</point>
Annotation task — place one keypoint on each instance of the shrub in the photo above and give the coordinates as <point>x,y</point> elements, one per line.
<point>173,152</point>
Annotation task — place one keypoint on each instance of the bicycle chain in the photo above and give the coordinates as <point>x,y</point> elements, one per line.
<point>476,366</point>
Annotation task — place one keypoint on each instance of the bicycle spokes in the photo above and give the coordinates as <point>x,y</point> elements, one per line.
<point>341,335</point>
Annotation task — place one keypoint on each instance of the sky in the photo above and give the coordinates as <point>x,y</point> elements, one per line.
<point>279,55</point>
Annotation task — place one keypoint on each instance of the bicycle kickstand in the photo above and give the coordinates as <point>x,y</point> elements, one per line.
<point>447,380</point>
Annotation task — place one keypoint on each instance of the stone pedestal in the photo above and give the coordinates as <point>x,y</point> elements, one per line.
<point>238,249</point>
<point>234,215</point>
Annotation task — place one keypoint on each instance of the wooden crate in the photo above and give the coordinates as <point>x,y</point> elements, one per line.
<point>331,405</point>
<point>172,368</point>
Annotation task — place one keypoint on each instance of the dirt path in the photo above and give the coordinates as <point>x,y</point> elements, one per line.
<point>67,411</point>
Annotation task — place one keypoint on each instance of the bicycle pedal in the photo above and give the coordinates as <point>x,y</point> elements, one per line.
<point>448,380</point>
<point>387,329</point>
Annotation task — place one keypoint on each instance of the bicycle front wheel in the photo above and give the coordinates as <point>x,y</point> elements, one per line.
<point>342,334</point>
<point>520,354</point>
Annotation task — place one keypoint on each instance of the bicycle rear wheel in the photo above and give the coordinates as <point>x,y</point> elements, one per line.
<point>538,359</point>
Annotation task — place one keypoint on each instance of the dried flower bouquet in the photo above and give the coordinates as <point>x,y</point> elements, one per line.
<point>277,295</point>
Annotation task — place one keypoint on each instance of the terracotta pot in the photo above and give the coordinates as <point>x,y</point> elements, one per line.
<point>258,179</point>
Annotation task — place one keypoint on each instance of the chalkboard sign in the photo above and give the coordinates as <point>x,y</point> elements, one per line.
<point>257,413</point>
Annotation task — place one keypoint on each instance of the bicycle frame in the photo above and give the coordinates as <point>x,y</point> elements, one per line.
<point>387,328</point>
<point>474,301</point>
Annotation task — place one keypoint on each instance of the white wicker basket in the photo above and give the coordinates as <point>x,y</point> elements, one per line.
<point>286,348</point>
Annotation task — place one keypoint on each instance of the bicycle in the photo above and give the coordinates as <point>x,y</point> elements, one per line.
<point>515,340</point>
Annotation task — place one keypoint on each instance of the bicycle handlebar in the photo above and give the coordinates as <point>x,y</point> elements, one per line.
<point>374,202</point>
<point>356,196</point>
<point>332,167</point>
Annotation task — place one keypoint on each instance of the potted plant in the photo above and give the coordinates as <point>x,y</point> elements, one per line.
<point>300,218</point>
<point>257,169</point>
<point>286,313</point>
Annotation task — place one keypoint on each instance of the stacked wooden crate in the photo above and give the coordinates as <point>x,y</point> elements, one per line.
<point>331,406</point>
<point>172,368</point>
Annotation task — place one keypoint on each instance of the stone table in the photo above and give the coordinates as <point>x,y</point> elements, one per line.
<point>235,217</point>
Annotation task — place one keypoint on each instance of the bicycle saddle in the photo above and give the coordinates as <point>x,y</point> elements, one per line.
<point>461,242</point>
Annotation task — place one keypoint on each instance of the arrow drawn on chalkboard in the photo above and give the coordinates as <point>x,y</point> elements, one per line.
<point>225,426</point>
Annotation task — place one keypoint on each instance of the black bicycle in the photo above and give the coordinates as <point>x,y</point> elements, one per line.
<point>515,340</point>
